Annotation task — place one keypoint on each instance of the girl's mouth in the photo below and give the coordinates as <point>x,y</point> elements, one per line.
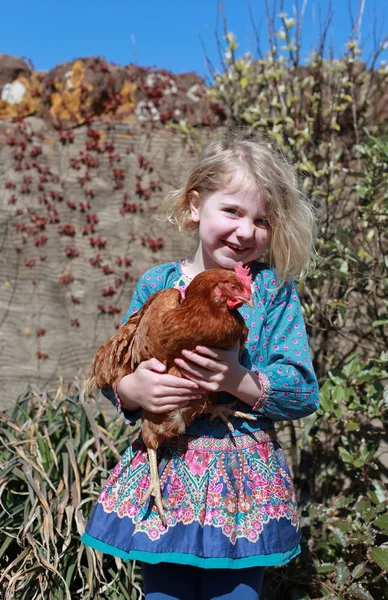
<point>235,247</point>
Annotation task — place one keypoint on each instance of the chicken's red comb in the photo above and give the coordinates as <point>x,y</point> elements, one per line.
<point>242,274</point>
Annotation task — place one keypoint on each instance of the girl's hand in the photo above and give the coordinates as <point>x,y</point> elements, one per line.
<point>149,387</point>
<point>212,369</point>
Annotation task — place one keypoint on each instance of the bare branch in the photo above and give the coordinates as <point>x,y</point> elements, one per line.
<point>271,28</point>
<point>299,18</point>
<point>209,65</point>
<point>256,31</point>
<point>326,29</point>
<point>351,18</point>
<point>218,41</point>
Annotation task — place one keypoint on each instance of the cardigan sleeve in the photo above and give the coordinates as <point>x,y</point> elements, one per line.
<point>290,388</point>
<point>144,289</point>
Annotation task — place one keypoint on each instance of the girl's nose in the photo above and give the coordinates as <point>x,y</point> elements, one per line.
<point>245,229</point>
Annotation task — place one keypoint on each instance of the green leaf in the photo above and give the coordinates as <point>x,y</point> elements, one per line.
<point>360,148</point>
<point>358,571</point>
<point>362,506</point>
<point>380,322</point>
<point>343,501</point>
<point>345,455</point>
<point>308,424</point>
<point>356,590</point>
<point>381,522</point>
<point>362,190</point>
<point>342,235</point>
<point>325,397</point>
<point>339,537</point>
<point>44,450</point>
<point>325,568</point>
<point>69,574</point>
<point>342,573</point>
<point>380,556</point>
<point>344,526</point>
<point>338,393</point>
<point>337,377</point>
<point>352,426</point>
<point>352,365</point>
<point>366,454</point>
<point>4,546</point>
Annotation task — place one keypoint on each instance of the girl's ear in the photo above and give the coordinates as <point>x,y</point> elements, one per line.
<point>194,206</point>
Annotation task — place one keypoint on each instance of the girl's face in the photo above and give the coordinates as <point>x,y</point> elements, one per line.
<point>233,225</point>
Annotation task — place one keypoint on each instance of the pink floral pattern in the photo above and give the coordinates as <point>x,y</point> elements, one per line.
<point>237,485</point>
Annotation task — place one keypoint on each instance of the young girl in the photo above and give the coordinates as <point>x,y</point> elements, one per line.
<point>230,503</point>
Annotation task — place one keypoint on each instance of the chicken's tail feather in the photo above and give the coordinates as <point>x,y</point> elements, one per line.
<point>112,358</point>
<point>90,384</point>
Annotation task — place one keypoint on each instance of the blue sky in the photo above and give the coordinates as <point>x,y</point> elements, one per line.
<point>162,33</point>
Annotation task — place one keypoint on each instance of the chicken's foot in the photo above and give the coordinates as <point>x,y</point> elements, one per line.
<point>223,411</point>
<point>154,486</point>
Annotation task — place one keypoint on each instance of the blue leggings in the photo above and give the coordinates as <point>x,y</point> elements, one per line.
<point>167,581</point>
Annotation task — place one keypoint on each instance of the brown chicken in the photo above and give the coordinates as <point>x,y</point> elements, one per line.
<point>165,325</point>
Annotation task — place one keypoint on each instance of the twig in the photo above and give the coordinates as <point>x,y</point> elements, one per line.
<point>256,32</point>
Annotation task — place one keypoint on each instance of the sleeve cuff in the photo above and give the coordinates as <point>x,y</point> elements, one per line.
<point>136,414</point>
<point>130,417</point>
<point>265,390</point>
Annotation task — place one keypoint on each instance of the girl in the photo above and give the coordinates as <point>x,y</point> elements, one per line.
<point>230,503</point>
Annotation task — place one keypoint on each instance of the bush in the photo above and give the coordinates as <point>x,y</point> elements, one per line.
<point>323,117</point>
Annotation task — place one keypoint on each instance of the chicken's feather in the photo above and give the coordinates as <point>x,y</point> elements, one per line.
<point>132,342</point>
<point>147,341</point>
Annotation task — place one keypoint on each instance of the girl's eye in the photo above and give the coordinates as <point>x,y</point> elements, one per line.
<point>262,223</point>
<point>259,222</point>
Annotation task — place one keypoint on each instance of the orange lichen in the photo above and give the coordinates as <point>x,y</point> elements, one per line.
<point>77,74</point>
<point>72,98</point>
<point>127,106</point>
<point>102,135</point>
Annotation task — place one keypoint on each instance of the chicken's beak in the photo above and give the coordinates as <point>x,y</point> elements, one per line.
<point>248,300</point>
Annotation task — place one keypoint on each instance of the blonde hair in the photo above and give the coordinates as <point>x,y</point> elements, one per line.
<point>289,213</point>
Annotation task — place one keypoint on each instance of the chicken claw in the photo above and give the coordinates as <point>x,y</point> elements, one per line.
<point>154,487</point>
<point>223,411</point>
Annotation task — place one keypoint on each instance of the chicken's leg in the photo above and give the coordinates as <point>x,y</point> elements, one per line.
<point>223,411</point>
<point>154,486</point>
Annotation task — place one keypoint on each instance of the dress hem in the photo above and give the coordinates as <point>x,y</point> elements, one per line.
<point>269,560</point>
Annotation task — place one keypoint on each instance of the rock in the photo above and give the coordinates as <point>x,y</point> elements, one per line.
<point>74,93</point>
<point>11,68</point>
<point>164,97</point>
<point>20,88</point>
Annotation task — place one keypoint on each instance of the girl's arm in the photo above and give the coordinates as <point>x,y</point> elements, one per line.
<point>289,387</point>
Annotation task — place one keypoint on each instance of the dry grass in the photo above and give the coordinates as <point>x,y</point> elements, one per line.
<point>56,452</point>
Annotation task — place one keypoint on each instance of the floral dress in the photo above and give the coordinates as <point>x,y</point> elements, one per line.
<point>230,500</point>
